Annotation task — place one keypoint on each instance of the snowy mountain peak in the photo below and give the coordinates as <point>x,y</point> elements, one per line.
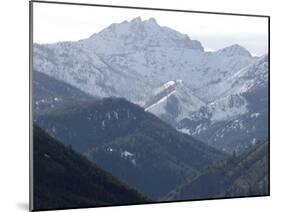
<point>137,34</point>
<point>152,20</point>
<point>234,50</point>
<point>150,23</point>
<point>136,20</point>
<point>142,62</point>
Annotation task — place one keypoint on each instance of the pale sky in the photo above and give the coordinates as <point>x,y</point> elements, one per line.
<point>55,22</point>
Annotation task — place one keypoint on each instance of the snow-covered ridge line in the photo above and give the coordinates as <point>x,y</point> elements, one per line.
<point>167,85</point>
<point>162,93</point>
<point>159,101</point>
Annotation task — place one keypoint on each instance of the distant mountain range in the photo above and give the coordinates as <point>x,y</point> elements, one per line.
<point>240,117</point>
<point>64,179</point>
<point>132,144</point>
<point>212,96</point>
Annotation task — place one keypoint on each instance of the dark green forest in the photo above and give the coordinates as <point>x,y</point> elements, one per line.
<point>65,179</point>
<point>242,174</point>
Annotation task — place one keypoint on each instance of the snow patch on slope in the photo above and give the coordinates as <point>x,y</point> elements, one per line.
<point>227,108</point>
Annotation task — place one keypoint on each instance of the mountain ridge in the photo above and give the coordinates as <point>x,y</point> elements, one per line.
<point>141,59</point>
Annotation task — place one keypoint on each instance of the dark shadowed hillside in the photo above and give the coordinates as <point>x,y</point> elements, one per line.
<point>241,175</point>
<point>132,144</point>
<point>65,179</point>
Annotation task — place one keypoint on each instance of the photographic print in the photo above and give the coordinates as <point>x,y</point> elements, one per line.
<point>145,105</point>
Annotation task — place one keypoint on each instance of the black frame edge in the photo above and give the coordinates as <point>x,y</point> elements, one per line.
<point>31,193</point>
